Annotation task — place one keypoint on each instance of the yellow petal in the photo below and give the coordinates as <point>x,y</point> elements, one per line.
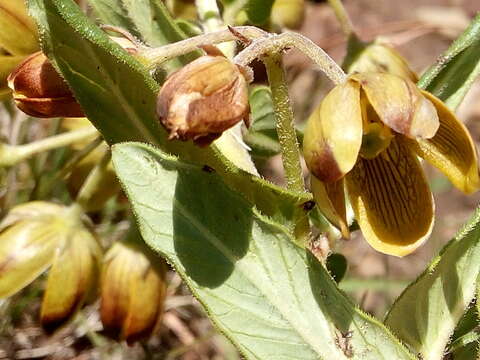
<point>451,150</point>
<point>71,279</point>
<point>399,104</point>
<point>379,57</point>
<point>132,293</point>
<point>26,251</point>
<point>333,135</point>
<point>330,199</point>
<point>391,200</point>
<point>18,33</point>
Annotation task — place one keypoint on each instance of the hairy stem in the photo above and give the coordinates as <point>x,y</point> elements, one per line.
<point>287,138</point>
<point>275,44</point>
<point>161,54</point>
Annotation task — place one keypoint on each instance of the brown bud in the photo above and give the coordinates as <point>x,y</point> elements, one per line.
<point>38,90</point>
<point>203,99</point>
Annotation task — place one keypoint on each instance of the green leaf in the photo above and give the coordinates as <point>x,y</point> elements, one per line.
<point>147,19</point>
<point>258,11</point>
<point>113,12</point>
<point>262,135</point>
<point>119,97</point>
<point>455,70</point>
<point>271,298</point>
<point>436,301</point>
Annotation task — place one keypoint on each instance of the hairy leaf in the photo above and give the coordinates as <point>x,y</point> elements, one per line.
<point>270,297</point>
<point>427,312</point>
<point>119,97</point>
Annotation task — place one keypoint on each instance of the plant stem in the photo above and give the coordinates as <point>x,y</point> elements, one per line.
<point>92,182</point>
<point>276,43</point>
<point>11,155</point>
<point>342,17</point>
<point>161,54</point>
<point>287,138</point>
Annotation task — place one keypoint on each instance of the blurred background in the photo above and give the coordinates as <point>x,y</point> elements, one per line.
<point>420,30</point>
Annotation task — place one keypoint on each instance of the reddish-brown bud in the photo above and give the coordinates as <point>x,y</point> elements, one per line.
<point>203,99</point>
<point>38,90</point>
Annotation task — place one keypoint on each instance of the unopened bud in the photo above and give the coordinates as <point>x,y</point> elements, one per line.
<point>38,90</point>
<point>132,291</point>
<point>203,99</point>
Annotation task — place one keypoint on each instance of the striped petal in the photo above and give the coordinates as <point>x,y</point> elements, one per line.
<point>330,199</point>
<point>391,200</point>
<point>333,135</point>
<point>451,150</point>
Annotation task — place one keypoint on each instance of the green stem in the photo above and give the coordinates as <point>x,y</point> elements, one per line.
<point>342,17</point>
<point>287,137</point>
<point>11,155</point>
<point>93,181</point>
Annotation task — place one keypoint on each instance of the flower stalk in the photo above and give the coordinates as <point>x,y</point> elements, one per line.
<point>155,56</point>
<point>287,137</point>
<point>276,43</point>
<point>13,154</point>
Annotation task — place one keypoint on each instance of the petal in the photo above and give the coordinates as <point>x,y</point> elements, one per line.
<point>71,279</point>
<point>391,200</point>
<point>330,199</point>
<point>26,251</point>
<point>400,104</point>
<point>380,57</point>
<point>451,150</point>
<point>333,135</point>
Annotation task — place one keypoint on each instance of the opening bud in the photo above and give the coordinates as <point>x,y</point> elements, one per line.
<point>38,90</point>
<point>203,99</point>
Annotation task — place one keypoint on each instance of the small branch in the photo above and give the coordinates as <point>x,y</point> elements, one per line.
<point>276,43</point>
<point>92,182</point>
<point>161,54</point>
<point>11,155</point>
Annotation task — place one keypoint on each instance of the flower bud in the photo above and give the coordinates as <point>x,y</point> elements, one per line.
<point>72,280</point>
<point>37,235</point>
<point>203,99</point>
<point>38,90</point>
<point>132,291</point>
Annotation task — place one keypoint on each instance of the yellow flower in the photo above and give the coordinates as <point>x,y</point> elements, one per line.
<point>367,133</point>
<point>133,291</point>
<point>37,235</point>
